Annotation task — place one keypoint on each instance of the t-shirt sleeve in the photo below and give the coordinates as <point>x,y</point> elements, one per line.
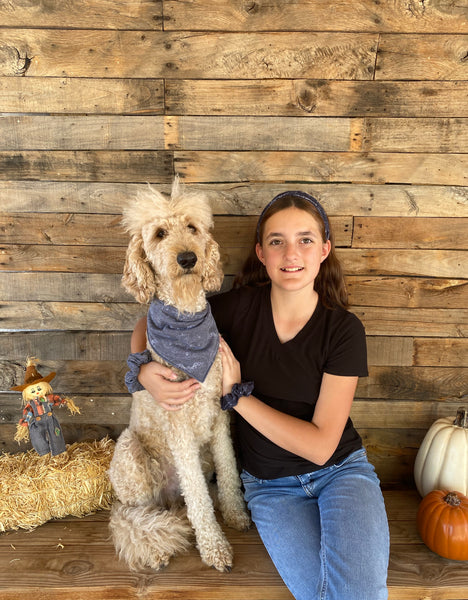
<point>347,351</point>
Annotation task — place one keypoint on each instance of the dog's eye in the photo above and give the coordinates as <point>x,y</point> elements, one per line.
<point>192,228</point>
<point>161,233</point>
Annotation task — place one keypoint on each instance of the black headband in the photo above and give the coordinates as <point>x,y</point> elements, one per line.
<point>304,196</point>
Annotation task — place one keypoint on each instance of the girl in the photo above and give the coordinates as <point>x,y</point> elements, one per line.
<point>314,497</point>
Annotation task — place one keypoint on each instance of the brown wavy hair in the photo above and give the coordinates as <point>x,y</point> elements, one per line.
<point>329,283</point>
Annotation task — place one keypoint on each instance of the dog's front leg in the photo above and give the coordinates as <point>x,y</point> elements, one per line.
<point>229,493</point>
<point>213,546</point>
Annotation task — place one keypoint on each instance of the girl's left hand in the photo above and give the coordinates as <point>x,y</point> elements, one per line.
<point>231,367</point>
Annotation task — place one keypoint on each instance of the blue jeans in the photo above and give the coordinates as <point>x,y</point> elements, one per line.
<point>326,531</point>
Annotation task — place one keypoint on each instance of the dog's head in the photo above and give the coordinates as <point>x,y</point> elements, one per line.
<point>171,254</point>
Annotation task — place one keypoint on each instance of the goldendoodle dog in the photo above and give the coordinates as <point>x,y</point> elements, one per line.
<point>164,459</point>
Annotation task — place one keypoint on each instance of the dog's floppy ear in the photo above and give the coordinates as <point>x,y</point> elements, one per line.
<point>139,279</point>
<point>212,276</point>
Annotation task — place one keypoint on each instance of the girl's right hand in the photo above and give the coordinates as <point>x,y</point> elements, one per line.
<point>158,380</point>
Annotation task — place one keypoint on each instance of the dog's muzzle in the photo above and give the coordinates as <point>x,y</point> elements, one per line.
<point>187,260</point>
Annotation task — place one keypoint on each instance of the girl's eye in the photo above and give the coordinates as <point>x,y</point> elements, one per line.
<point>275,242</point>
<point>161,233</point>
<point>306,241</point>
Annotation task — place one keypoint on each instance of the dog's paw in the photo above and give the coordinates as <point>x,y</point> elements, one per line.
<point>217,555</point>
<point>237,519</point>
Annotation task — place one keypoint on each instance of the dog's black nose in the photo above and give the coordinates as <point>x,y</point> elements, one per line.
<point>187,260</point>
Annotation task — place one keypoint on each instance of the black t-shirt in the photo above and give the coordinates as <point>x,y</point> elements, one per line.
<point>288,376</point>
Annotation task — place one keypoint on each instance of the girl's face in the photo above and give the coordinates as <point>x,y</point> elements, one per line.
<point>292,249</point>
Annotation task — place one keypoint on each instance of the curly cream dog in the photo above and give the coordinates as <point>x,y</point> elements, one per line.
<point>163,460</point>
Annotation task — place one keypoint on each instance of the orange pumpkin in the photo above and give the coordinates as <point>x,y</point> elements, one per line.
<point>442,522</point>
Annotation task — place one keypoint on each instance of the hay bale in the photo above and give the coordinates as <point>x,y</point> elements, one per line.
<point>35,489</point>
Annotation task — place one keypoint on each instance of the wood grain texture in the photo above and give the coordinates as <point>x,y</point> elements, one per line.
<point>337,15</point>
<point>66,95</point>
<point>316,97</point>
<point>87,165</point>
<point>377,167</point>
<point>241,198</point>
<point>95,14</point>
<point>90,53</point>
<point>73,558</point>
<point>422,57</point>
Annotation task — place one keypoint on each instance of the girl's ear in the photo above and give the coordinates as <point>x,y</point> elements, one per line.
<point>259,253</point>
<point>326,248</point>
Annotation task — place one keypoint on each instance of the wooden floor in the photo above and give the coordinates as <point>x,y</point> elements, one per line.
<point>73,559</point>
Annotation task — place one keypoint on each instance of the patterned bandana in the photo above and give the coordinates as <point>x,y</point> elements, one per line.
<point>188,341</point>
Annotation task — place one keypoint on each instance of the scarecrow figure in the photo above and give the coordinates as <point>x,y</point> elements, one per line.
<point>38,421</point>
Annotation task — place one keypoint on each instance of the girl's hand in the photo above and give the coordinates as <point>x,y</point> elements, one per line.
<point>231,367</point>
<point>158,380</point>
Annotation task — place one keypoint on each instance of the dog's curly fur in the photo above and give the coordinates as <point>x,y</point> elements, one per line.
<point>164,459</point>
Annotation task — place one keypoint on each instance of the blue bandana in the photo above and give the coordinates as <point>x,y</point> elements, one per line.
<point>188,341</point>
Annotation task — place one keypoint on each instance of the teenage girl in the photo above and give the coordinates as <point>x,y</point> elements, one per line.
<point>313,495</point>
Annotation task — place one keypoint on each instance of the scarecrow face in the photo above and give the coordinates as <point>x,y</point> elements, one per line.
<point>37,390</point>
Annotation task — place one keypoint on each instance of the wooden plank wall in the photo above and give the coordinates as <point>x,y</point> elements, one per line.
<point>363,104</point>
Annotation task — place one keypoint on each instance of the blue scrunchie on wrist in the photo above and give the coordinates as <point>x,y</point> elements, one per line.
<point>229,401</point>
<point>134,361</point>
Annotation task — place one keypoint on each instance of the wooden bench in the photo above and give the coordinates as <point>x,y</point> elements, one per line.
<point>74,559</point>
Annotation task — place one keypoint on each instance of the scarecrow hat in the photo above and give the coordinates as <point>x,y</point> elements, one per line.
<point>32,376</point>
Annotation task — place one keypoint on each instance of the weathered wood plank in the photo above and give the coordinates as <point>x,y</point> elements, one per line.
<point>107,230</point>
<point>100,165</point>
<point>417,383</point>
<point>368,291</point>
<point>414,135</point>
<point>66,95</point>
<point>75,287</point>
<point>320,133</point>
<point>410,232</point>
<point>25,132</point>
<point>75,559</point>
<point>103,259</point>
<point>384,167</point>
<point>80,316</point>
<point>407,292</point>
<point>68,345</point>
<point>384,382</point>
<point>62,259</point>
<point>95,14</point>
<point>423,322</point>
<point>239,198</point>
<point>420,263</point>
<point>452,352</point>
<point>362,15</point>
<point>366,414</point>
<point>422,57</point>
<point>114,345</point>
<point>89,53</point>
<point>316,97</point>
<point>258,133</point>
<point>395,414</point>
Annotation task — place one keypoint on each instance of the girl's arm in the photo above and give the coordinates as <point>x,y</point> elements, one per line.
<point>314,440</point>
<point>156,378</point>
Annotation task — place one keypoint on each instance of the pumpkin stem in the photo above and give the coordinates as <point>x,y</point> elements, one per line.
<point>461,420</point>
<point>452,499</point>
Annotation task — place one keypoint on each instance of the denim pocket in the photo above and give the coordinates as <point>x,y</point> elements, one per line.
<point>248,478</point>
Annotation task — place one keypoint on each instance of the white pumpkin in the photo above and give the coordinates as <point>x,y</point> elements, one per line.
<point>442,459</point>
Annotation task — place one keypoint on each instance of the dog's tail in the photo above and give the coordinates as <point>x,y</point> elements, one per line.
<point>147,536</point>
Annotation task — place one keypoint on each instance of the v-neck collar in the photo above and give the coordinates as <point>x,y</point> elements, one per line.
<point>271,320</point>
